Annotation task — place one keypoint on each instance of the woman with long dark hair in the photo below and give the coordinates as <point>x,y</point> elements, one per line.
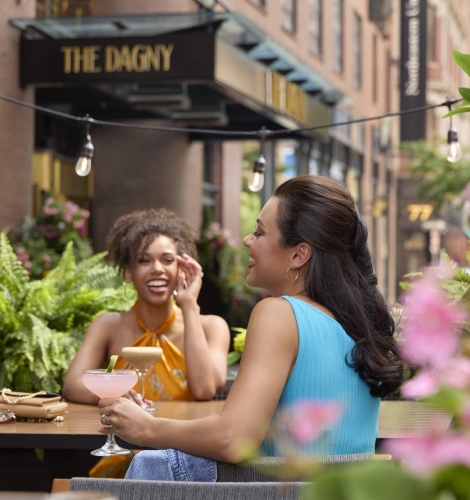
<point>325,334</point>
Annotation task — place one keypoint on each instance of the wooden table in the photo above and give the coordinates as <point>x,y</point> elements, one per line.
<point>79,428</point>
<point>67,444</point>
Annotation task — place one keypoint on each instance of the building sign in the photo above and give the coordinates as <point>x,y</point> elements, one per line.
<point>285,96</point>
<point>108,60</point>
<point>413,68</point>
<point>419,211</point>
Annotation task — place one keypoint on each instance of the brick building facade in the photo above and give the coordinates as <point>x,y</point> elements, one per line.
<point>349,48</point>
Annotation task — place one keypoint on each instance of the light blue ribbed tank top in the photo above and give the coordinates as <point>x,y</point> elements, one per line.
<point>321,374</point>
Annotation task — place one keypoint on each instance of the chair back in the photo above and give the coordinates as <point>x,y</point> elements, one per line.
<point>126,489</point>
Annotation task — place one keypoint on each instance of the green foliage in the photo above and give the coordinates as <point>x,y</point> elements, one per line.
<point>462,60</point>
<point>42,322</point>
<point>441,180</point>
<point>369,480</point>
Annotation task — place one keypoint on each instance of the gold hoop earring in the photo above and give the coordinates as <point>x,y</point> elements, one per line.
<point>296,276</point>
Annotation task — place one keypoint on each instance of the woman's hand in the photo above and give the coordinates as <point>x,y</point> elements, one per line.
<point>189,286</point>
<point>137,398</point>
<point>125,419</point>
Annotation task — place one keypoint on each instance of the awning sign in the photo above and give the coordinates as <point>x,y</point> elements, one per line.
<point>108,60</point>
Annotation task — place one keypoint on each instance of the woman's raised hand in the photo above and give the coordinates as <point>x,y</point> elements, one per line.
<point>190,284</point>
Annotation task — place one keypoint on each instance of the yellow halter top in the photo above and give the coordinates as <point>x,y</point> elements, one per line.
<point>166,379</point>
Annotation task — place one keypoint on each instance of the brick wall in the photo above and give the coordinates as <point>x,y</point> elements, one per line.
<point>16,123</point>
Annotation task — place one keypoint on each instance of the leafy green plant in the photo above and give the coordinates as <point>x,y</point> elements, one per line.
<point>442,181</point>
<point>42,322</point>
<point>463,61</point>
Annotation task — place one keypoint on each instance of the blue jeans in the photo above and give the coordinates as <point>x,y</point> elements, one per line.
<point>172,465</point>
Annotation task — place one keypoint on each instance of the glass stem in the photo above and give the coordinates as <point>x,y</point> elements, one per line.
<point>110,441</point>
<point>142,383</point>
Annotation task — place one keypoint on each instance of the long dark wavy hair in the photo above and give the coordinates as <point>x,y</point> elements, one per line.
<point>340,276</point>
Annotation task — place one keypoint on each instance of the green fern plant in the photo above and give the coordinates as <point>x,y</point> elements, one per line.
<point>42,322</point>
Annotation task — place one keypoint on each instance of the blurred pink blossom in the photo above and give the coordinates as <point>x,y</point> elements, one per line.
<point>430,329</point>
<point>456,374</point>
<point>425,383</point>
<point>79,224</point>
<point>22,254</point>
<point>426,454</point>
<point>307,420</point>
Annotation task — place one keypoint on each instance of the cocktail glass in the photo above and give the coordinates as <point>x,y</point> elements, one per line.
<point>109,385</point>
<point>142,358</point>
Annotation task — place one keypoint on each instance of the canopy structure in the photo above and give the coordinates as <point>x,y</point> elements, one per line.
<point>201,69</point>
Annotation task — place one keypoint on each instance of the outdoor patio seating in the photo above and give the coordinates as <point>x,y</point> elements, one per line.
<point>257,480</point>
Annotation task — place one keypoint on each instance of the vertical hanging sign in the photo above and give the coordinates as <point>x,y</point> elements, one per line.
<point>413,68</point>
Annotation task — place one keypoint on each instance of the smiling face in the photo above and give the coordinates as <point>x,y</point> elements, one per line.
<point>268,259</point>
<point>154,270</point>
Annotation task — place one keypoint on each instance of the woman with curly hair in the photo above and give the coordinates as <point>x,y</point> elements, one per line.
<point>325,334</point>
<point>155,251</point>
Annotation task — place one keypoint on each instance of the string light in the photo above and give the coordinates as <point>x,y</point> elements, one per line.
<point>256,180</point>
<point>84,162</point>
<point>454,150</point>
<point>83,165</point>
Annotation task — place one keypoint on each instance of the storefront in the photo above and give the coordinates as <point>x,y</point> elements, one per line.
<point>205,71</point>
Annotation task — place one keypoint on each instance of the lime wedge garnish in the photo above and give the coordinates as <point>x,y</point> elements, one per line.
<point>112,362</point>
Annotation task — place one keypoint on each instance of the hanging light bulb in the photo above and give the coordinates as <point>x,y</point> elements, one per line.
<point>83,165</point>
<point>454,150</point>
<point>256,180</point>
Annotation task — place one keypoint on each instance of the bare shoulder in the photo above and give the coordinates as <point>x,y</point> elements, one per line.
<point>211,322</point>
<point>273,317</point>
<point>109,321</point>
<point>273,309</point>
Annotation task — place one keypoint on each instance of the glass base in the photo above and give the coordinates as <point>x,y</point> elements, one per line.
<point>150,409</point>
<point>110,449</point>
<point>104,452</point>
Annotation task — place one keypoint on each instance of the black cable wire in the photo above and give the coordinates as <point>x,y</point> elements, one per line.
<point>448,103</point>
<point>263,133</point>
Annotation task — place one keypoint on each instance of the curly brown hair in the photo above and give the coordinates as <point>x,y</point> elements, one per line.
<point>128,231</point>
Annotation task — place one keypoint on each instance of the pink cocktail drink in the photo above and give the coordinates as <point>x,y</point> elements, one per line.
<point>109,385</point>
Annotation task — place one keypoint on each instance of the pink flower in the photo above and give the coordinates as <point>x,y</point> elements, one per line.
<point>68,218</point>
<point>307,420</point>
<point>422,385</point>
<point>456,374</point>
<point>430,332</point>
<point>82,231</point>
<point>78,224</point>
<point>49,211</point>
<point>425,455</point>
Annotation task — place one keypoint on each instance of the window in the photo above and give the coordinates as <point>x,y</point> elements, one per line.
<point>315,26</point>
<point>357,51</point>
<point>338,34</point>
<point>288,15</point>
<point>431,34</point>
